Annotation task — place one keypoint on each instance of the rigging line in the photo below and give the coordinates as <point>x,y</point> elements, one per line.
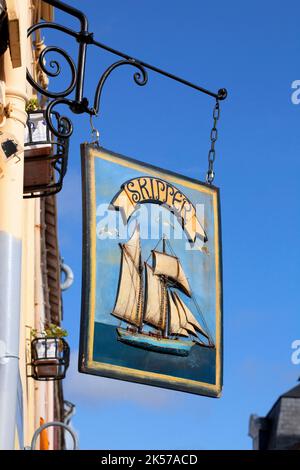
<point>202,317</point>
<point>174,254</point>
<point>132,280</point>
<point>140,303</point>
<point>170,246</point>
<point>154,249</point>
<point>131,258</point>
<point>193,297</point>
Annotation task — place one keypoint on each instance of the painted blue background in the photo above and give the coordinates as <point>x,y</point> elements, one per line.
<point>253,49</point>
<point>198,265</point>
<point>199,365</point>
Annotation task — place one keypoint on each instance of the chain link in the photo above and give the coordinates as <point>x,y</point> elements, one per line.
<point>210,175</point>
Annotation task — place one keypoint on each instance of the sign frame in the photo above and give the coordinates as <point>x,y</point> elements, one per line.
<point>86,364</point>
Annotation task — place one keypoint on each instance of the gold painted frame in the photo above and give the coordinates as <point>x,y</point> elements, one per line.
<point>86,362</point>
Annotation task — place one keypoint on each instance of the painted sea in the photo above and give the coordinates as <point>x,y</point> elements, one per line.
<point>199,365</point>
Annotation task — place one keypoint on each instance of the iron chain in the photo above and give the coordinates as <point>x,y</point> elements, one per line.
<point>210,175</point>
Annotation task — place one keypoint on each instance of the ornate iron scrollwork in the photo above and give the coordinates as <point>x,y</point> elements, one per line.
<point>79,104</point>
<point>54,70</point>
<point>140,78</point>
<point>65,126</point>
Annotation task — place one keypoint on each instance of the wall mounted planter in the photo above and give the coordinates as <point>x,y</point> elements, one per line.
<point>50,358</point>
<point>46,157</point>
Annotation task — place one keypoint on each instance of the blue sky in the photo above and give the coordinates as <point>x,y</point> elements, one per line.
<point>252,49</point>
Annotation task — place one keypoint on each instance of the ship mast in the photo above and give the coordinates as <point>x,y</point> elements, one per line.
<point>175,316</point>
<point>140,304</point>
<point>162,307</point>
<point>164,300</point>
<point>129,301</point>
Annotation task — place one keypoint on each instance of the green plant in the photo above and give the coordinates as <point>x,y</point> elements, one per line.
<point>50,331</point>
<point>32,105</point>
<point>33,333</point>
<point>56,331</point>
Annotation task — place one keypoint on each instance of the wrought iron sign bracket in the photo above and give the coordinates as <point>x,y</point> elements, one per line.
<point>80,104</point>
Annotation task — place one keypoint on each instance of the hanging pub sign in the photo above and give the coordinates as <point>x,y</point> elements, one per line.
<point>152,281</point>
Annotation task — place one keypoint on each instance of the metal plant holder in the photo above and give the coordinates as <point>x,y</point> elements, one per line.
<point>46,156</point>
<point>50,358</point>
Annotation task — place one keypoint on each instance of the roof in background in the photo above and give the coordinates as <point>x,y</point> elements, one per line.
<point>293,393</point>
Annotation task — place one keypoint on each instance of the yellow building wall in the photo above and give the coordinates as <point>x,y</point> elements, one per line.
<point>22,219</point>
<point>38,396</point>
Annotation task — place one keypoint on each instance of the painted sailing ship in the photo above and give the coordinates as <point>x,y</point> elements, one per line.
<point>148,295</point>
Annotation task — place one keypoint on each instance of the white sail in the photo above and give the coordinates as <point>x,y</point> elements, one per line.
<point>169,266</point>
<point>133,247</point>
<point>182,317</point>
<point>175,325</point>
<point>191,324</point>
<point>154,311</point>
<point>128,305</point>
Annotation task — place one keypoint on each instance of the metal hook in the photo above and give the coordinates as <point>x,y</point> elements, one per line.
<point>95,133</point>
<point>55,424</point>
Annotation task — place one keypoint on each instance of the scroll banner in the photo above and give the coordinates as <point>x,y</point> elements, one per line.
<point>152,286</point>
<point>154,190</point>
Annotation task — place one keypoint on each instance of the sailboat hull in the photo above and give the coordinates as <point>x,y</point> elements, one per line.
<point>153,343</point>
